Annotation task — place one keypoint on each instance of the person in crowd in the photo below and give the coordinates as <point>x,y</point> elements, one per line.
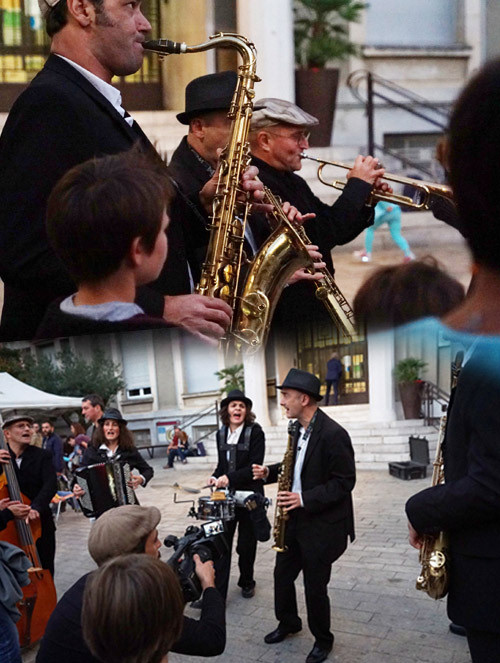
<point>194,162</point>
<point>278,137</point>
<point>397,294</point>
<point>53,443</point>
<point>68,114</point>
<point>37,437</point>
<point>178,447</point>
<point>132,610</point>
<point>122,531</point>
<point>334,371</point>
<point>92,411</point>
<point>317,505</point>
<point>467,505</point>
<point>14,565</point>
<point>240,444</point>
<point>114,441</point>
<point>37,481</point>
<point>107,221</point>
<point>390,213</point>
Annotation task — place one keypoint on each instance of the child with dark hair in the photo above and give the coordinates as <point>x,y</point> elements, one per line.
<point>106,220</point>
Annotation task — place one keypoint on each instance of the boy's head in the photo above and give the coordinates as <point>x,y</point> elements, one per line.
<point>108,213</point>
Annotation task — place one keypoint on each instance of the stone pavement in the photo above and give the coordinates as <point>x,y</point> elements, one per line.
<point>377,615</point>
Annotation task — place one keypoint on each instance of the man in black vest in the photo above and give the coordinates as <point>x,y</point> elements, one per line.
<point>37,481</point>
<point>318,502</point>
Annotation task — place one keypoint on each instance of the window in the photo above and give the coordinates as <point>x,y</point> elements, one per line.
<point>134,347</point>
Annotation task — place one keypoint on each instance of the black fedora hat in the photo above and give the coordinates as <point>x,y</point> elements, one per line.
<point>208,93</point>
<point>302,381</point>
<point>236,395</point>
<point>114,414</point>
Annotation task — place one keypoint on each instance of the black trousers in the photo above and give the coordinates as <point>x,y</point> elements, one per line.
<point>46,547</point>
<point>246,549</point>
<point>484,646</point>
<point>317,574</point>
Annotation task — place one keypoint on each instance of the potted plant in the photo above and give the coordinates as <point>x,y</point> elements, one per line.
<point>321,35</point>
<point>408,377</point>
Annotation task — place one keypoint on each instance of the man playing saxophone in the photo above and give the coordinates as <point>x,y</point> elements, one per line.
<point>318,504</point>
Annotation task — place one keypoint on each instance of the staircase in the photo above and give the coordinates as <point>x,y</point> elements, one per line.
<point>375,444</point>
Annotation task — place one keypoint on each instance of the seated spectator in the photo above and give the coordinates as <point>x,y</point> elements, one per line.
<point>124,530</point>
<point>397,294</point>
<point>132,610</point>
<point>178,448</point>
<point>106,220</point>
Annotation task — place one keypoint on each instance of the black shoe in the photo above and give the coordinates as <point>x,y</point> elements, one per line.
<point>279,634</point>
<point>248,592</point>
<point>316,655</point>
<point>457,630</point>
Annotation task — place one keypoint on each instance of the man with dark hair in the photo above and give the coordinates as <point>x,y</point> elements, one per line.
<point>120,531</point>
<point>53,443</point>
<point>37,480</point>
<point>68,114</point>
<point>318,506</point>
<point>92,411</point>
<point>106,220</point>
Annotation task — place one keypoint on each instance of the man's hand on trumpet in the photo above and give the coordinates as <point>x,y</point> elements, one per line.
<point>370,170</point>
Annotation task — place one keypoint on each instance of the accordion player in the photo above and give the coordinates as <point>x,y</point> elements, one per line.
<point>106,486</point>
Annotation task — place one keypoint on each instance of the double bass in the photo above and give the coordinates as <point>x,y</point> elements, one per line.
<point>39,597</point>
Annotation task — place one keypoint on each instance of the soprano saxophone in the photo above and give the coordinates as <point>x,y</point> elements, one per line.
<point>253,299</point>
<point>284,484</point>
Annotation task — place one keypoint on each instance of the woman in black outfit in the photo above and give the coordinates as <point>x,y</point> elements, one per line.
<point>113,441</point>
<point>240,443</point>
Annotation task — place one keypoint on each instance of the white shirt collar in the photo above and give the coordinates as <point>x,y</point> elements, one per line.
<point>109,91</point>
<point>233,437</point>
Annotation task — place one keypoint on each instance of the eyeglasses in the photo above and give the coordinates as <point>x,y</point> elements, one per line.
<point>297,136</point>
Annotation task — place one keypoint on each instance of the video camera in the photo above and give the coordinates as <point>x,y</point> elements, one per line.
<point>208,541</point>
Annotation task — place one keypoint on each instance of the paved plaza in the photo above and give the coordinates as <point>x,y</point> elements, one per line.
<point>377,615</point>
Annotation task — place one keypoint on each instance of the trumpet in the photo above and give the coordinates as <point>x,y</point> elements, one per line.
<point>425,190</point>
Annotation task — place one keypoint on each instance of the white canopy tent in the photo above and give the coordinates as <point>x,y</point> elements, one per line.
<point>16,397</point>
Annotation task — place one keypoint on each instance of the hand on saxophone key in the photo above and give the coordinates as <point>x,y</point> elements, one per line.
<point>206,318</point>
<point>303,274</point>
<point>260,472</point>
<point>289,501</point>
<point>294,216</point>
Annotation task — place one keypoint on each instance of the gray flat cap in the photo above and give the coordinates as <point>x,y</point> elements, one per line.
<point>278,111</point>
<point>15,418</point>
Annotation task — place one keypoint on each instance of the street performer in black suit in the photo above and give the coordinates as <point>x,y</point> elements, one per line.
<point>68,114</point>
<point>37,481</point>
<point>319,504</point>
<point>240,444</point>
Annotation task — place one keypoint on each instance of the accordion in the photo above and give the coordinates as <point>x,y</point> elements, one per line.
<point>106,486</point>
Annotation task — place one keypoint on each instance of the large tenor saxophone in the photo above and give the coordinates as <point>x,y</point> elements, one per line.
<point>284,484</point>
<point>254,298</point>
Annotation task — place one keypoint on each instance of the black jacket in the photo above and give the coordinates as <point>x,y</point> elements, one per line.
<point>59,121</point>
<point>467,505</point>
<point>92,456</point>
<point>63,639</point>
<point>242,477</point>
<point>328,477</point>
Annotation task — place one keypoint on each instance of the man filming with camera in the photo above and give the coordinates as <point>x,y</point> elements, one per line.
<point>119,531</point>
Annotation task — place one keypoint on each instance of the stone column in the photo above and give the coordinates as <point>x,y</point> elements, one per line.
<point>270,26</point>
<point>380,372</point>
<point>254,367</point>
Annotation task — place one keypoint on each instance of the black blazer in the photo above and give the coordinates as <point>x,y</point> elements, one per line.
<point>59,121</point>
<point>467,505</point>
<point>242,477</point>
<point>133,457</point>
<point>328,477</point>
<point>38,481</point>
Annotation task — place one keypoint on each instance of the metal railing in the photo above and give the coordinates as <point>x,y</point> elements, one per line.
<point>394,96</point>
<point>433,394</point>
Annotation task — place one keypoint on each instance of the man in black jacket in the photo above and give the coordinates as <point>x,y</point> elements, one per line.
<point>37,481</point>
<point>318,502</point>
<point>278,137</point>
<point>131,529</point>
<point>68,114</point>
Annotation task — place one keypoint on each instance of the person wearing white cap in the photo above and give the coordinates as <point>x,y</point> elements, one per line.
<point>121,531</point>
<point>279,134</point>
<point>68,114</point>
<point>37,480</point>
